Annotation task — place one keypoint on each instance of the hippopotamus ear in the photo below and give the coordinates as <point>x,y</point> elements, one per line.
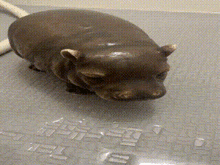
<point>168,49</point>
<point>71,54</point>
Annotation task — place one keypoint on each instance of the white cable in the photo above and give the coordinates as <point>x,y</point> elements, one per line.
<point>4,45</point>
<point>13,9</point>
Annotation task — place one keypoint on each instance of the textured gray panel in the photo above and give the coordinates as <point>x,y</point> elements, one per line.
<point>40,123</point>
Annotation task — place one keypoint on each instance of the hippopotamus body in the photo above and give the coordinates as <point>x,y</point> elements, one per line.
<point>93,51</point>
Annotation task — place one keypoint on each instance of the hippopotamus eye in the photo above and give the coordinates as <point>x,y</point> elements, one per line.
<point>93,80</point>
<point>162,76</point>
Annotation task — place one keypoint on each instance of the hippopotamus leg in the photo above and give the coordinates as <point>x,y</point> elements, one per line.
<point>75,89</point>
<point>33,67</point>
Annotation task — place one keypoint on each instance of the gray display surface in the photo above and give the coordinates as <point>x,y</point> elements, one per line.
<point>42,124</point>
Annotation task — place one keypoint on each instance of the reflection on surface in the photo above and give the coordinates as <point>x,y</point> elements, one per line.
<point>156,164</point>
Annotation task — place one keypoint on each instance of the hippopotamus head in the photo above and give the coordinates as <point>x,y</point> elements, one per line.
<point>121,73</point>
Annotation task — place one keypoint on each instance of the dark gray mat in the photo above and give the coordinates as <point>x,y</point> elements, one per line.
<point>40,123</point>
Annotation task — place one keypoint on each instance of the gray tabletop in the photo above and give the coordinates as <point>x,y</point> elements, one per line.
<point>42,124</point>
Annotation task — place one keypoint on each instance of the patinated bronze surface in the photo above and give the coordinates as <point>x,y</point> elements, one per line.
<point>93,52</point>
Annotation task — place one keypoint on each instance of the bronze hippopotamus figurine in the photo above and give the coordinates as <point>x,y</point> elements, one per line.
<point>93,51</point>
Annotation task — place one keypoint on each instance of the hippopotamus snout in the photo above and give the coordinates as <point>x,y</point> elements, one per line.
<point>138,92</point>
<point>129,95</point>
